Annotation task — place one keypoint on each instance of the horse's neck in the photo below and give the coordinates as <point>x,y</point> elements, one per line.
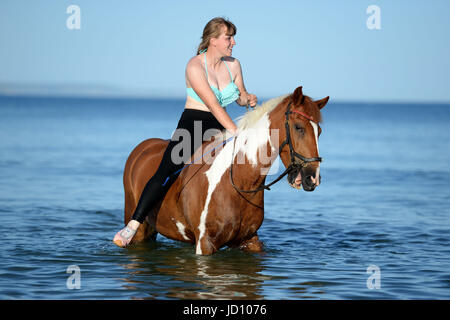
<point>259,162</point>
<point>277,125</point>
<point>256,151</point>
<point>252,152</point>
<point>249,176</point>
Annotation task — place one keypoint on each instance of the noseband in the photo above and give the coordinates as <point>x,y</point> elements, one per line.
<point>294,165</point>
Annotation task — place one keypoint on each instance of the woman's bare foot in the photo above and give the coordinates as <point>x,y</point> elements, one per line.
<point>124,236</point>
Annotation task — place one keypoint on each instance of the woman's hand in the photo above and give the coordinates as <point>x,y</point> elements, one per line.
<point>234,131</point>
<point>252,100</point>
<point>247,99</point>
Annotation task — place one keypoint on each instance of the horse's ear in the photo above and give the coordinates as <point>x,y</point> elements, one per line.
<point>297,96</point>
<point>321,103</point>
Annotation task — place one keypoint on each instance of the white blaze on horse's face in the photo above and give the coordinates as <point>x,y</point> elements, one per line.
<point>316,179</point>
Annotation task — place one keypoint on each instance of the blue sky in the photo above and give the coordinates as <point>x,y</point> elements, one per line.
<point>141,47</point>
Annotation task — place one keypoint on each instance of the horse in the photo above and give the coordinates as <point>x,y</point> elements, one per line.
<point>220,202</point>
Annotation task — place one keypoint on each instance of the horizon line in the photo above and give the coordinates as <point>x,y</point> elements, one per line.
<point>178,98</point>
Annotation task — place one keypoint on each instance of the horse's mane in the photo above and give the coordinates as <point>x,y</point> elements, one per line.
<point>249,119</point>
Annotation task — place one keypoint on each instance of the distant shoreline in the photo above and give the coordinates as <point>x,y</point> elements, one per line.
<point>163,98</point>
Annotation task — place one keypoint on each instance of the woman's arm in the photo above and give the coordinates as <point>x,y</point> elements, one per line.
<point>197,79</point>
<point>245,98</point>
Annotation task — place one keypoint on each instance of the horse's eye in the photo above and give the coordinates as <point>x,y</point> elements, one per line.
<point>299,128</point>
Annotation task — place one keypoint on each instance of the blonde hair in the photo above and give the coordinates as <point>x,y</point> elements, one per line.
<point>213,29</point>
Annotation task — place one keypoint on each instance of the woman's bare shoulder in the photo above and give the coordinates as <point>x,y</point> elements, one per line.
<point>194,63</point>
<point>194,70</point>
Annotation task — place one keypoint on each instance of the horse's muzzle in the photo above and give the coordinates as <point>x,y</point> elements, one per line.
<point>305,177</point>
<point>310,183</point>
<point>311,178</point>
<point>295,178</point>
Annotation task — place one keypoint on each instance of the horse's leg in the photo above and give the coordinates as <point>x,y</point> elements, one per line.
<point>204,246</point>
<point>252,245</point>
<point>145,232</point>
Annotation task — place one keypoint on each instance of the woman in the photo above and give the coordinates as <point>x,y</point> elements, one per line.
<point>213,80</point>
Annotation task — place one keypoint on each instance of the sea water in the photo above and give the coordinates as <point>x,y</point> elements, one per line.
<point>377,227</point>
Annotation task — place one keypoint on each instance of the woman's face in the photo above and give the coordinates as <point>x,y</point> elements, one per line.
<point>225,43</point>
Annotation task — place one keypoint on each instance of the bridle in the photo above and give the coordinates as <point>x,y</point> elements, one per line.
<point>294,165</point>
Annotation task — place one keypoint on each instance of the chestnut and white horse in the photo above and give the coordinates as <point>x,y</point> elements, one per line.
<point>219,201</point>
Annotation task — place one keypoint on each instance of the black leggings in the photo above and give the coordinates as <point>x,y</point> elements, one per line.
<point>172,164</point>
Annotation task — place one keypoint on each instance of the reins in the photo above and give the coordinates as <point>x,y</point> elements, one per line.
<point>288,141</point>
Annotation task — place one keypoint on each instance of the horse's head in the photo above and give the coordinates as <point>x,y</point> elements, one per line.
<point>300,148</point>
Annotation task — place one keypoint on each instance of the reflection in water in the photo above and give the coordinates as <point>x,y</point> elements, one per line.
<point>228,274</point>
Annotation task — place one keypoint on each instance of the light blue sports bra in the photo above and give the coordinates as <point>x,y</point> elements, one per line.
<point>228,95</point>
